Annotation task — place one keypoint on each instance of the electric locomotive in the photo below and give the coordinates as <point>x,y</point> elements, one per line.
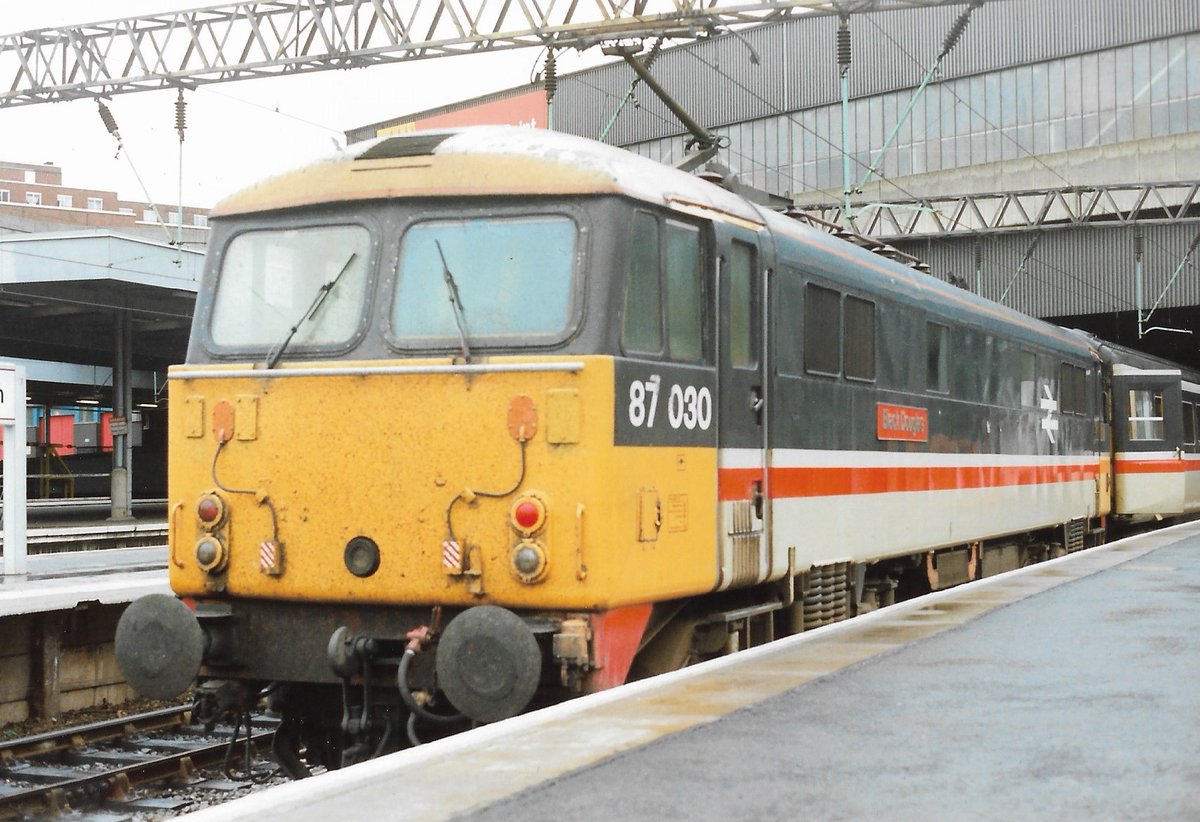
<point>475,420</point>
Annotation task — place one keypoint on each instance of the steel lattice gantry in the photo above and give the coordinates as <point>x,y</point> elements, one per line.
<point>1006,211</point>
<point>238,41</point>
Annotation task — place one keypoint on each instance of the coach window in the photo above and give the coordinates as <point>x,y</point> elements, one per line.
<point>822,330</point>
<point>642,331</point>
<point>937,372</point>
<point>1028,379</point>
<point>860,338</point>
<point>1073,394</point>
<point>685,297</point>
<point>1189,423</point>
<point>1145,415</point>
<point>741,306</point>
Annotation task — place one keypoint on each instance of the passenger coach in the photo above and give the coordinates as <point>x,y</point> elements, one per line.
<point>1155,413</point>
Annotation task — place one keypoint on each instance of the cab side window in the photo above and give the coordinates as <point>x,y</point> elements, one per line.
<point>664,290</point>
<point>642,330</point>
<point>741,306</point>
<point>685,294</point>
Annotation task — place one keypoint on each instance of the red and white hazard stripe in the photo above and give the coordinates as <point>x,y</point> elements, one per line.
<point>451,555</point>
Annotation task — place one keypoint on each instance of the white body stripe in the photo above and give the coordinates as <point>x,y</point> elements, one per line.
<point>806,458</point>
<point>867,527</point>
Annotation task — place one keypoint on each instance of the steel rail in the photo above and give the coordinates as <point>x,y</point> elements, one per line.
<point>66,738</point>
<point>111,783</point>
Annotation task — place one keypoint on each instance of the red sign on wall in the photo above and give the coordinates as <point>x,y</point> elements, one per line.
<point>901,422</point>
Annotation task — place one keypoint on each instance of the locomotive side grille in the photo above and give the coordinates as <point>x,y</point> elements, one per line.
<point>1074,534</point>
<point>827,599</point>
<point>397,147</point>
<point>746,541</point>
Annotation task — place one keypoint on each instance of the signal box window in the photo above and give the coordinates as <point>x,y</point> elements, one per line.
<point>860,338</point>
<point>741,306</point>
<point>664,273</point>
<point>937,359</point>
<point>270,280</point>
<point>1145,415</point>
<point>1189,423</point>
<point>822,330</point>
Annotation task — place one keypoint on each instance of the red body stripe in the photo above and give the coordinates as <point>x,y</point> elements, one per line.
<point>736,483</point>
<point>1168,466</point>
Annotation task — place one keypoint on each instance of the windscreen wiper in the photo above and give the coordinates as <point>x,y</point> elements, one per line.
<point>318,300</point>
<point>460,313</point>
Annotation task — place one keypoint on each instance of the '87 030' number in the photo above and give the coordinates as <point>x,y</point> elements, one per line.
<point>687,406</point>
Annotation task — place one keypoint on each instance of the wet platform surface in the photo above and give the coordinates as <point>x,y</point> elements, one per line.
<point>1066,690</point>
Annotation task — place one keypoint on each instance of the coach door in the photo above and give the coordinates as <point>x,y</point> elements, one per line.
<point>1149,468</point>
<point>744,500</point>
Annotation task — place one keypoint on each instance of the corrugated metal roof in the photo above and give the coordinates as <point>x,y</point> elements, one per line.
<point>717,82</point>
<point>1082,270</point>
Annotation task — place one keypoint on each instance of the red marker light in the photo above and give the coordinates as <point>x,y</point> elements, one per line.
<point>210,510</point>
<point>526,514</point>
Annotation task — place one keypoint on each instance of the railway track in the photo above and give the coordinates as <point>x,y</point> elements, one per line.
<point>129,764</point>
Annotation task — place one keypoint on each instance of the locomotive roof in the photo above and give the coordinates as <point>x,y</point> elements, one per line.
<point>874,274</point>
<point>495,161</point>
<point>483,161</point>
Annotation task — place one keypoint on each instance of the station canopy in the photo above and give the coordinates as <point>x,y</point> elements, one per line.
<point>61,295</point>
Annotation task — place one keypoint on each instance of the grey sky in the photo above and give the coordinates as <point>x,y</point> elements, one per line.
<point>237,132</point>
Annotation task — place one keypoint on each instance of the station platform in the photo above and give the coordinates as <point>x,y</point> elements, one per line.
<point>63,580</point>
<point>1063,690</point>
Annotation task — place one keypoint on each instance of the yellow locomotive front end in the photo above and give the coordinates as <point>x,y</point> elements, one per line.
<point>414,482</point>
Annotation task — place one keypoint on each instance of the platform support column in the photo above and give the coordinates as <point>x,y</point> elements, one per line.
<point>45,669</point>
<point>121,486</point>
<point>12,427</point>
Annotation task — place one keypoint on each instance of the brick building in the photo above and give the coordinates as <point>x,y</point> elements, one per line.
<point>33,198</point>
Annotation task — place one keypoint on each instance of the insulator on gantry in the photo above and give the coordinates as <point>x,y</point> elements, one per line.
<point>958,28</point>
<point>110,122</point>
<point>655,50</point>
<point>843,44</point>
<point>550,73</point>
<point>180,115</point>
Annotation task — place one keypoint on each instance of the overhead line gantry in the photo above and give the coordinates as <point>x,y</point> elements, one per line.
<point>240,41</point>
